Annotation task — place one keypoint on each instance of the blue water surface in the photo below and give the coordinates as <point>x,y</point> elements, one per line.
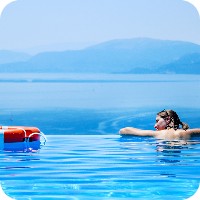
<point>102,167</point>
<point>84,157</point>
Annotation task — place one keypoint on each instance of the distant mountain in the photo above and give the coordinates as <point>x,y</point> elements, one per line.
<point>139,55</point>
<point>11,56</point>
<point>188,64</point>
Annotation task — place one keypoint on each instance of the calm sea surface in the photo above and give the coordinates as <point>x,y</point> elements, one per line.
<point>95,103</point>
<point>84,157</point>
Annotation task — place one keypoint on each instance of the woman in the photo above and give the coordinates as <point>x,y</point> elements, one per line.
<point>167,127</point>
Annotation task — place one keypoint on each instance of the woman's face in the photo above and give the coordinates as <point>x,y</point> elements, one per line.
<point>160,124</point>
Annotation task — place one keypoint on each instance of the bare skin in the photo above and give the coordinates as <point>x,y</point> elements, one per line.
<point>161,131</point>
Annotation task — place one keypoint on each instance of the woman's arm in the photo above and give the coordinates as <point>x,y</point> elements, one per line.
<point>190,132</point>
<point>136,131</point>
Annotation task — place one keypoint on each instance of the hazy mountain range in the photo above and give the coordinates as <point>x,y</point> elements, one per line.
<point>139,55</point>
<point>11,56</point>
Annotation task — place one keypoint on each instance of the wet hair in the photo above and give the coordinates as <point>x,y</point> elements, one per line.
<point>174,119</point>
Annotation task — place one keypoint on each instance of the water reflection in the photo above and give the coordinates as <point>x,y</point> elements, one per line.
<point>22,146</point>
<point>174,151</point>
<point>166,159</point>
<point>165,152</point>
<point>170,151</point>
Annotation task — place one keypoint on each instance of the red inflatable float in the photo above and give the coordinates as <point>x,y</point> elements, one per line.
<point>19,134</point>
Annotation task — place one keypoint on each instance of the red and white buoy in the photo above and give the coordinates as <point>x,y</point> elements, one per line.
<point>19,134</point>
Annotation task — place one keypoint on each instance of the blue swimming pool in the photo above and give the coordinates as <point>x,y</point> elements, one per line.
<point>102,167</point>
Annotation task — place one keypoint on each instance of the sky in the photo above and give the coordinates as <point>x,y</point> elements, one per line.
<point>37,25</point>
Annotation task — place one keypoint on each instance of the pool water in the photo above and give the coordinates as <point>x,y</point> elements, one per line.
<point>102,167</point>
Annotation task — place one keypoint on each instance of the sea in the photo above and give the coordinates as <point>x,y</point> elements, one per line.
<point>95,103</point>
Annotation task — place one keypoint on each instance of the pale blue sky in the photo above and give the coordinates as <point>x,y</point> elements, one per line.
<point>53,24</point>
